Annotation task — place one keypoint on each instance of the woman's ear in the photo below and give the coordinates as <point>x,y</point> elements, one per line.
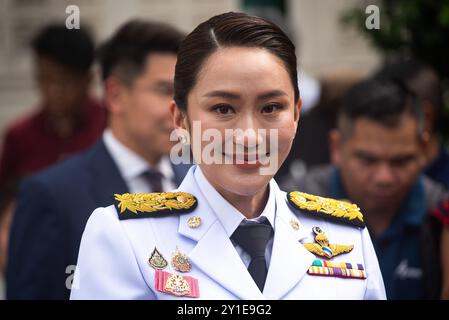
<point>298,109</point>
<point>296,115</point>
<point>178,116</point>
<point>180,123</point>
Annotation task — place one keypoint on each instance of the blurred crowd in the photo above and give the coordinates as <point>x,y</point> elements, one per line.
<point>374,140</point>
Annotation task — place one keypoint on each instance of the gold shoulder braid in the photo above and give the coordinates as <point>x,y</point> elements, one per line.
<point>336,210</point>
<point>158,204</point>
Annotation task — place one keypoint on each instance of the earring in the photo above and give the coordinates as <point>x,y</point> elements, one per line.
<point>183,139</point>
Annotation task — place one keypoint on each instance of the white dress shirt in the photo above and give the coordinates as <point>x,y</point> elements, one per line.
<point>231,218</point>
<point>131,166</point>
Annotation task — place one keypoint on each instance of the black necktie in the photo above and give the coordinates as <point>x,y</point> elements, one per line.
<point>154,179</point>
<point>253,238</point>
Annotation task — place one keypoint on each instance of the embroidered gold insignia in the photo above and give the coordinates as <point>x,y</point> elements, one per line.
<point>322,247</point>
<point>194,222</point>
<point>157,261</point>
<point>339,211</point>
<point>181,262</point>
<point>142,205</point>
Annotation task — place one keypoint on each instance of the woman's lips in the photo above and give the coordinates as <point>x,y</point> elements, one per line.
<point>248,161</point>
<point>248,166</point>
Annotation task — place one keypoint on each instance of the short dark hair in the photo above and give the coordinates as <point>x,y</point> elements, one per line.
<point>71,47</point>
<point>126,51</point>
<point>381,100</point>
<point>227,30</point>
<point>421,78</point>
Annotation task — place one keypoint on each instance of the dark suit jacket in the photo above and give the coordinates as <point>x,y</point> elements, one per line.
<point>52,210</point>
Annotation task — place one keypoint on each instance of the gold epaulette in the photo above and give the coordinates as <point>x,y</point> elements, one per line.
<point>336,210</point>
<point>158,204</point>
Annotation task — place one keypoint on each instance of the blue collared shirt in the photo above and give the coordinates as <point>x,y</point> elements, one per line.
<point>398,249</point>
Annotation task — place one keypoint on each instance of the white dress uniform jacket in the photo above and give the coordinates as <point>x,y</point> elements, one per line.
<point>113,257</point>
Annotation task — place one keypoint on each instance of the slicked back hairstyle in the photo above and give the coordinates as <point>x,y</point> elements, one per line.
<point>230,30</point>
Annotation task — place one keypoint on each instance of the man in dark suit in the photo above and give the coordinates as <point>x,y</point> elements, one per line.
<point>53,206</point>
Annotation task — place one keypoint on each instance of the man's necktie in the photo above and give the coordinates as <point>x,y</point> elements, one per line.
<point>154,179</point>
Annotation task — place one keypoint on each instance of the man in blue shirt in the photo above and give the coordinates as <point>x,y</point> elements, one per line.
<point>423,80</point>
<point>377,155</point>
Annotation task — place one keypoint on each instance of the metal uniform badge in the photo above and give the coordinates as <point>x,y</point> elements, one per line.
<point>295,224</point>
<point>157,261</point>
<point>181,262</point>
<point>323,248</point>
<point>176,284</point>
<point>194,222</point>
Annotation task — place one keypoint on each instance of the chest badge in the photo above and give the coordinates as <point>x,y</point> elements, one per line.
<point>176,284</point>
<point>294,224</point>
<point>157,261</point>
<point>181,262</point>
<point>194,222</point>
<point>337,269</point>
<point>323,248</point>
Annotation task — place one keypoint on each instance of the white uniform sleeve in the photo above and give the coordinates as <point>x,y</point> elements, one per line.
<point>107,267</point>
<point>375,289</point>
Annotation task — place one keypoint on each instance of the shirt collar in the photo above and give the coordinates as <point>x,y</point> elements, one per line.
<point>439,168</point>
<point>165,167</point>
<point>414,208</point>
<point>129,163</point>
<point>225,212</point>
<point>336,186</point>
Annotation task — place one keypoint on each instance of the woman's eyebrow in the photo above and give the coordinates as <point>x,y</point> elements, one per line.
<point>222,94</point>
<point>271,94</point>
<point>236,96</point>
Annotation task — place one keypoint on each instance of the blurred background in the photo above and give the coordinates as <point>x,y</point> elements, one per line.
<point>334,46</point>
<point>325,46</point>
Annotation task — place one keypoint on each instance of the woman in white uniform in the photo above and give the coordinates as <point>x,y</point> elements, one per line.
<point>228,232</point>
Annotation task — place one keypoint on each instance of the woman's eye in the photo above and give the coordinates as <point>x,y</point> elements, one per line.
<point>224,109</point>
<point>270,108</point>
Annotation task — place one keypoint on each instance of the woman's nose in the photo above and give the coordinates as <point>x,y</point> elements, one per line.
<point>248,134</point>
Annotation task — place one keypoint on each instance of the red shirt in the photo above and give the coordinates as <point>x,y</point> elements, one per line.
<point>31,145</point>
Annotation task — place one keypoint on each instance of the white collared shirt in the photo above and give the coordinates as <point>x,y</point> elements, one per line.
<point>131,166</point>
<point>231,218</point>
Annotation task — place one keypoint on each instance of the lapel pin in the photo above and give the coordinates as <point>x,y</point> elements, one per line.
<point>194,222</point>
<point>157,261</point>
<point>181,262</point>
<point>295,224</point>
